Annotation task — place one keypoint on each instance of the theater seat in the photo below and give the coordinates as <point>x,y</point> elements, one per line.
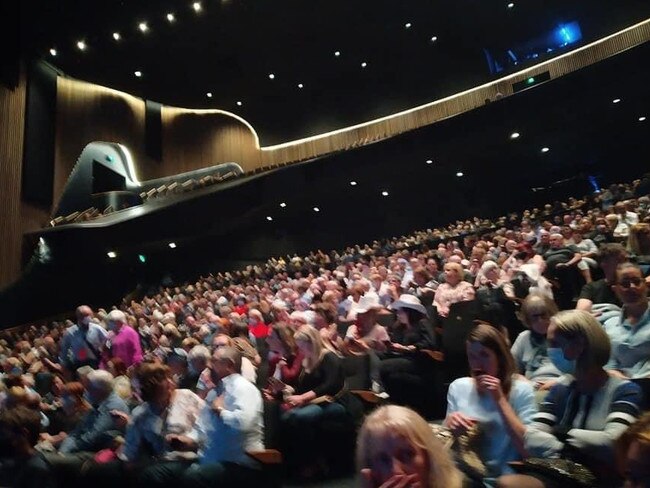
<point>271,466</point>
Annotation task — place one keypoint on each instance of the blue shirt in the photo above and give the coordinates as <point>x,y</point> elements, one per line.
<point>75,349</point>
<point>239,427</point>
<point>497,448</point>
<point>630,345</point>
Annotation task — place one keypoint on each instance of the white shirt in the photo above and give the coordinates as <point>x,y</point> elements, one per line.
<point>239,428</point>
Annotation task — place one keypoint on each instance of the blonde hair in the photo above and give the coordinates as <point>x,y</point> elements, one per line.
<point>396,421</point>
<point>638,241</point>
<point>638,432</point>
<point>307,333</point>
<point>573,324</point>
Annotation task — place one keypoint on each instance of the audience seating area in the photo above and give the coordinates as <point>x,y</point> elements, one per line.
<point>325,339</point>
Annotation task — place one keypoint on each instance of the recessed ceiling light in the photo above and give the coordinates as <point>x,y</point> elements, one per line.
<point>197,6</point>
<point>337,53</point>
<point>353,183</point>
<point>172,245</point>
<point>143,27</point>
<point>514,135</point>
<point>138,74</point>
<point>316,209</point>
<point>239,103</point>
<point>459,174</point>
<point>170,17</point>
<point>271,76</point>
<point>511,5</point>
<point>283,204</point>
<point>384,193</point>
<point>117,36</point>
<point>429,161</point>
<point>642,118</point>
<point>300,85</point>
<point>434,38</point>
<point>407,25</point>
<point>52,52</point>
<point>269,218</point>
<point>209,94</point>
<point>364,64</point>
<point>111,254</point>
<point>616,100</point>
<point>545,149</point>
<point>81,45</point>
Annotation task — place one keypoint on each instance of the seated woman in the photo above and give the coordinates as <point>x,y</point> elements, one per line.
<point>633,449</point>
<point>402,367</point>
<point>64,420</point>
<point>587,410</point>
<point>311,401</point>
<point>285,361</point>
<point>530,348</point>
<point>453,290</point>
<point>396,447</point>
<point>492,400</point>
<point>325,322</point>
<point>495,293</point>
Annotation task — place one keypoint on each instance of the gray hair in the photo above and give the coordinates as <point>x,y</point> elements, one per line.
<point>199,352</point>
<point>101,381</point>
<point>116,316</point>
<point>229,354</point>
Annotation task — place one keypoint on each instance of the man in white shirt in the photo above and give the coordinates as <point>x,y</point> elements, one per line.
<point>230,425</point>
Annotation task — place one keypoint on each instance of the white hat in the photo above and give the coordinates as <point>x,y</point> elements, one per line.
<point>409,301</point>
<point>222,301</point>
<point>370,301</point>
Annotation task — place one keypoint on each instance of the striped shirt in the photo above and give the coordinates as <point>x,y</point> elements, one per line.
<point>590,423</point>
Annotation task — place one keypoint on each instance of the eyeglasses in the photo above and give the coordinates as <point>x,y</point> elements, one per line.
<point>628,282</point>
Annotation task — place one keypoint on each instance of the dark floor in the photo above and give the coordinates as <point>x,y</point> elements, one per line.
<point>348,482</point>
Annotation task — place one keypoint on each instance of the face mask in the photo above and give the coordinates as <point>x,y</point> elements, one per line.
<point>556,356</point>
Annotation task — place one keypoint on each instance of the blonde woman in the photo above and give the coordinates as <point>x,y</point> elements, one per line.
<point>312,401</point>
<point>453,290</point>
<point>587,410</point>
<point>633,454</point>
<point>396,447</point>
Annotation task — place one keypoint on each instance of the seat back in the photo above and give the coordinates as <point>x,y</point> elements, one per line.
<point>356,370</point>
<point>455,329</point>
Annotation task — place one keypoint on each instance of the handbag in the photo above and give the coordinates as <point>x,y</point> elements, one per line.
<point>563,471</point>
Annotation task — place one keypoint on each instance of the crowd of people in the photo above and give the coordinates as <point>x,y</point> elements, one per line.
<point>188,385</point>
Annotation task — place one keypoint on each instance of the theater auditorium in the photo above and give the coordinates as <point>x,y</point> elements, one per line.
<point>329,244</point>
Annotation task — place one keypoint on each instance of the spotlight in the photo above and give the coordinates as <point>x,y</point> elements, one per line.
<point>337,53</point>
<point>429,161</point>
<point>142,258</point>
<point>117,36</point>
<point>316,209</point>
<point>138,74</point>
<point>434,38</point>
<point>545,149</point>
<point>111,254</point>
<point>197,6</point>
<point>271,76</point>
<point>269,218</point>
<point>52,52</point>
<point>384,193</point>
<point>353,183</point>
<point>616,100</point>
<point>81,45</point>
<point>283,204</point>
<point>364,64</point>
<point>300,85</point>
<point>143,27</point>
<point>172,245</point>
<point>408,25</point>
<point>239,103</point>
<point>170,17</point>
<point>209,94</point>
<point>459,174</point>
<point>511,5</point>
<point>514,135</point>
<point>642,118</point>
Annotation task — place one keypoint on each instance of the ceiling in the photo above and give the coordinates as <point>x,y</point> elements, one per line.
<point>230,47</point>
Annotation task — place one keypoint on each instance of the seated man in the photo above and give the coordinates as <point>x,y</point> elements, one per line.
<point>98,427</point>
<point>629,332</point>
<point>20,427</point>
<point>602,291</point>
<point>366,334</point>
<point>230,425</point>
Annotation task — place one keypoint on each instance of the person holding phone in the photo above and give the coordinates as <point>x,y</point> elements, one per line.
<point>494,400</point>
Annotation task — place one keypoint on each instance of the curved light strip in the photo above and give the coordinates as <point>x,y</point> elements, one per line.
<point>456,95</point>
<point>129,163</point>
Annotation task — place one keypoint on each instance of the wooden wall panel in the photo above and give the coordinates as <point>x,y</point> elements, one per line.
<point>194,139</point>
<point>87,113</point>
<point>12,126</point>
